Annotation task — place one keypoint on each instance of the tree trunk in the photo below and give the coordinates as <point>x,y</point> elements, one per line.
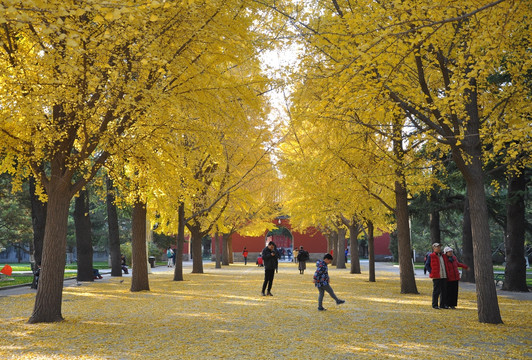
<point>406,268</point>
<point>197,254</point>
<point>178,271</point>
<point>354,230</point>
<point>471,169</point>
<point>48,300</point>
<point>435,232</point>
<point>467,246</point>
<point>38,221</point>
<point>515,271</point>
<point>218,242</point>
<point>82,222</point>
<point>371,252</point>
<point>139,278</point>
<point>225,250</point>
<point>340,248</point>
<point>334,247</point>
<point>229,243</point>
<point>114,234</point>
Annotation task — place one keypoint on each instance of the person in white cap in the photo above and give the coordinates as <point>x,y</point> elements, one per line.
<point>438,274</point>
<point>453,276</point>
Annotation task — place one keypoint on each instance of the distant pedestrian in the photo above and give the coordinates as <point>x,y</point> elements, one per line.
<point>245,255</point>
<point>438,274</point>
<point>322,281</point>
<point>259,262</point>
<point>270,256</point>
<point>170,256</point>
<point>123,263</point>
<point>295,252</point>
<point>453,276</point>
<point>302,258</point>
<point>427,263</point>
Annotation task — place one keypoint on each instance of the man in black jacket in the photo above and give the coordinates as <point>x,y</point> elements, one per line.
<point>269,256</point>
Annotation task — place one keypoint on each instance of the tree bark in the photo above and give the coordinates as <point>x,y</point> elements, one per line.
<point>471,168</point>
<point>82,222</point>
<point>371,252</point>
<point>340,248</point>
<point>435,232</point>
<point>514,242</point>
<point>178,271</point>
<point>225,249</point>
<point>139,278</point>
<point>229,242</point>
<point>406,267</point>
<point>48,300</point>
<point>114,234</point>
<point>195,242</point>
<point>38,221</point>
<point>334,247</point>
<point>218,243</point>
<point>354,230</point>
<point>467,246</point>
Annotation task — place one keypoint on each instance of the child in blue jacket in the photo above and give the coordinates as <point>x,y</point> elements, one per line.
<point>321,281</point>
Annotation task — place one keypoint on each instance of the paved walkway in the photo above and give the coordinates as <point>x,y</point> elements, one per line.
<point>379,267</point>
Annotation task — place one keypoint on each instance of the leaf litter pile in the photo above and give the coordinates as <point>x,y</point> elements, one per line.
<point>221,315</point>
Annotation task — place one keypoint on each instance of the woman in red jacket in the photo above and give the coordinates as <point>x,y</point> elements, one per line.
<point>453,276</point>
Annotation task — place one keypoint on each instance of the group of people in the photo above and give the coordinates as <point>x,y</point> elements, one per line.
<point>170,255</point>
<point>443,270</point>
<point>270,256</point>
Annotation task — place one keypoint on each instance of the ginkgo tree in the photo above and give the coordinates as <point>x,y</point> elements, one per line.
<point>76,79</point>
<point>430,64</point>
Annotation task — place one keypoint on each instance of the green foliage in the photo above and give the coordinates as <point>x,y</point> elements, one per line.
<point>15,216</point>
<point>125,249</point>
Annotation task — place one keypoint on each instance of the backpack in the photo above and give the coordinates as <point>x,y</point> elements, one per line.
<point>303,255</point>
<point>427,263</point>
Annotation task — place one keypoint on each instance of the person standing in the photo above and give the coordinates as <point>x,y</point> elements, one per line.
<point>123,263</point>
<point>170,256</point>
<point>438,274</point>
<point>245,254</point>
<point>295,252</point>
<point>302,258</point>
<point>453,276</point>
<point>322,281</point>
<point>270,256</point>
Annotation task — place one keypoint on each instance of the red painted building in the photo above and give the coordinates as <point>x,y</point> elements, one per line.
<point>312,240</point>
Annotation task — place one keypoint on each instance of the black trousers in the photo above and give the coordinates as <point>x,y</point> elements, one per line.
<point>268,279</point>
<point>439,290</point>
<point>452,293</point>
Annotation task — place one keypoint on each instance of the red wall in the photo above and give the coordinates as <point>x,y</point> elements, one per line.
<point>382,244</point>
<point>312,240</point>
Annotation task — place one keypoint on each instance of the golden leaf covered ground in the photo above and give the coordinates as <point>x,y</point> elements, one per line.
<point>221,315</point>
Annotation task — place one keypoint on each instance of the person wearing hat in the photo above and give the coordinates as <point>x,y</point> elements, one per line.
<point>438,274</point>
<point>453,276</point>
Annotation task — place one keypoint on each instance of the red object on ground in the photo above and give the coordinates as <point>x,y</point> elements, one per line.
<point>7,270</point>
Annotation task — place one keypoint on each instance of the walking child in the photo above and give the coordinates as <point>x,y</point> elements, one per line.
<point>322,281</point>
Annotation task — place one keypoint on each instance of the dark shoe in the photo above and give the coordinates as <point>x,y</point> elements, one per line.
<point>452,307</point>
<point>322,309</point>
<point>339,302</point>
<point>444,307</point>
<point>100,277</point>
<point>263,294</point>
<point>435,307</point>
<point>269,294</point>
